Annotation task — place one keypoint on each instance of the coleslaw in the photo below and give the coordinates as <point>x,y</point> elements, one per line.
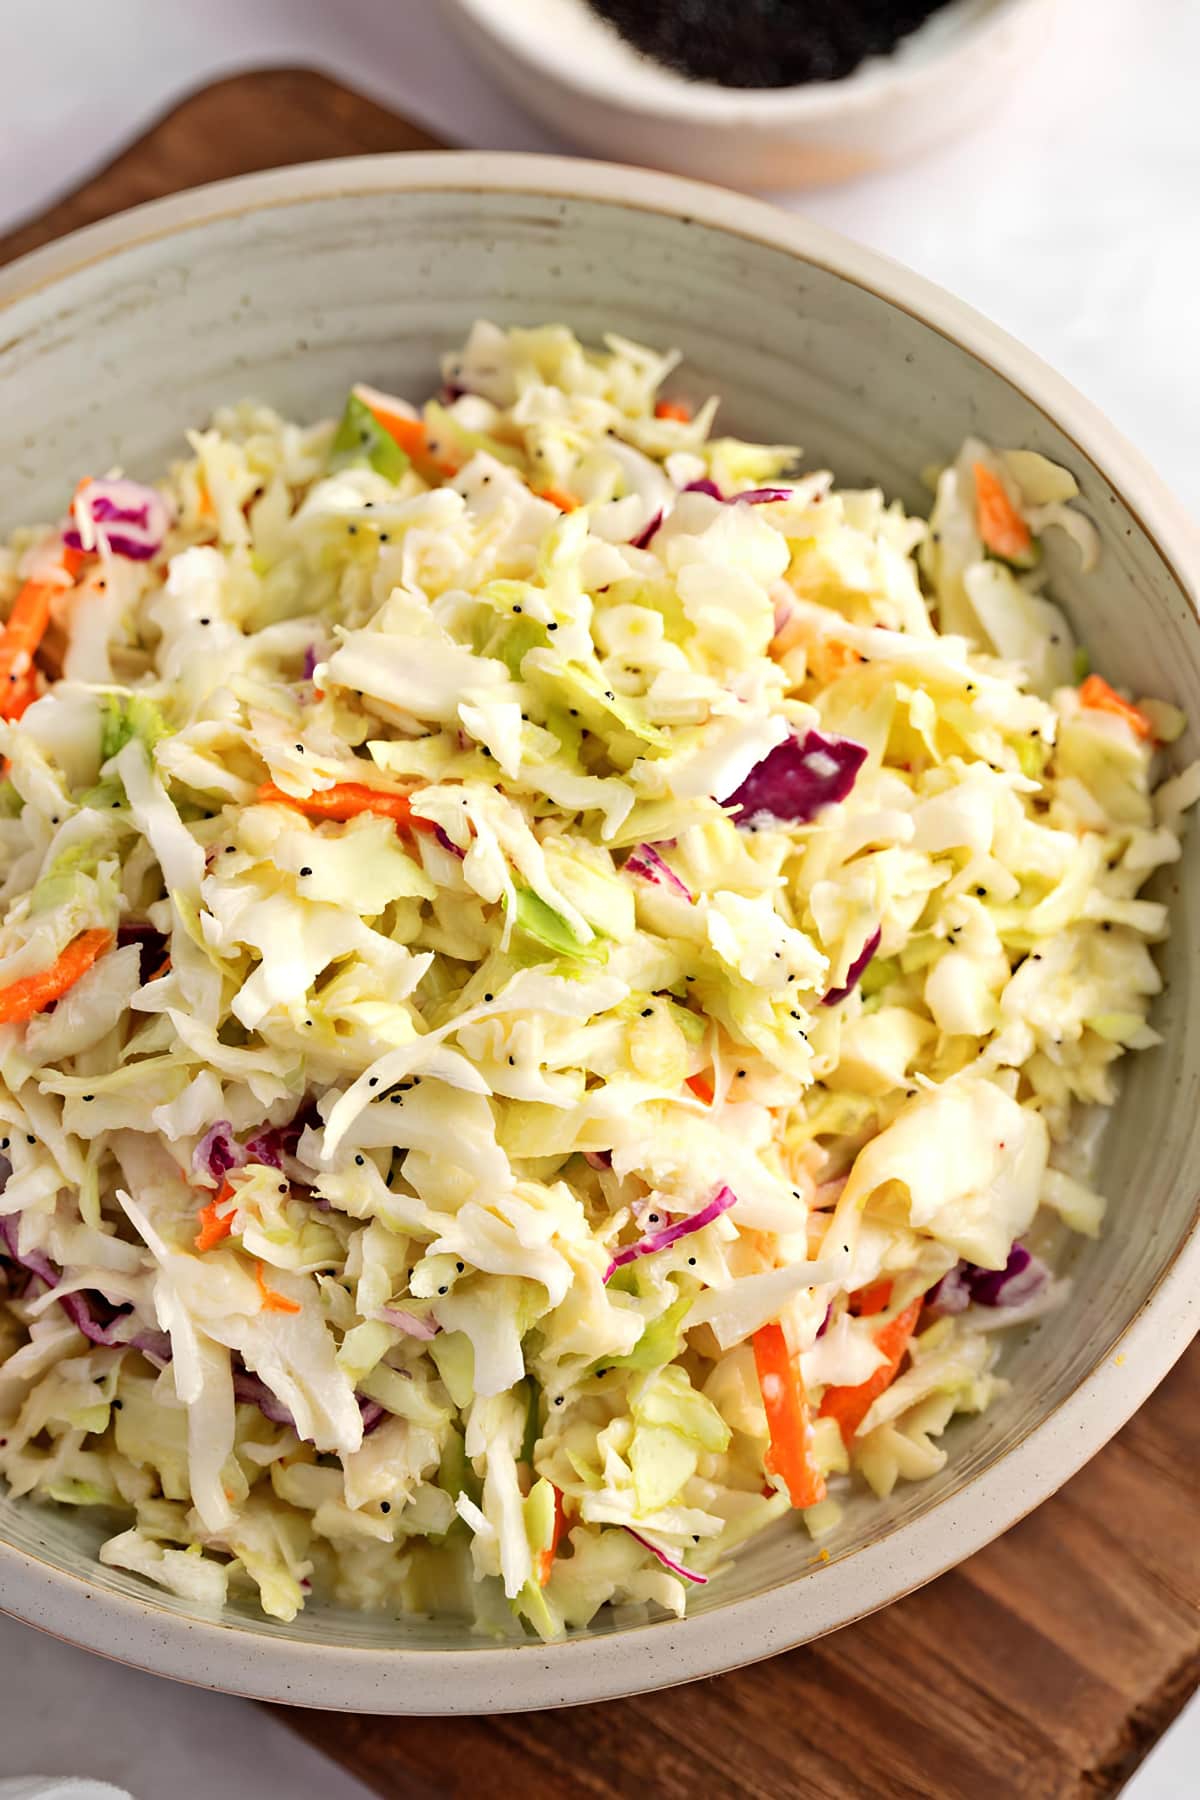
<point>557,979</point>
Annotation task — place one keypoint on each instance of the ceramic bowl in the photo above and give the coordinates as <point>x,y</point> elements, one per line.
<point>570,69</point>
<point>292,285</point>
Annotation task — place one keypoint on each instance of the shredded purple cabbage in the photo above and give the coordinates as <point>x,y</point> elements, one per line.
<point>798,778</point>
<point>373,1413</point>
<point>401,1319</point>
<point>252,1390</point>
<point>34,1262</point>
<point>646,862</point>
<point>855,972</point>
<point>276,1142</point>
<point>598,1159</point>
<point>312,657</point>
<point>448,843</point>
<point>217,1152</point>
<point>676,1568</point>
<point>155,1346</point>
<point>642,540</point>
<point>97,1318</point>
<point>704,486</point>
<point>1022,1276</point>
<point>763,496</point>
<point>670,1234</point>
<point>126,517</point>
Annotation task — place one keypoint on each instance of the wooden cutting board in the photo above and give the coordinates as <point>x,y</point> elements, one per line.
<point>1042,1669</point>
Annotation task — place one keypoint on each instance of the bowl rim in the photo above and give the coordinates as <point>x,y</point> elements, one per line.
<point>673,98</point>
<point>249,1661</point>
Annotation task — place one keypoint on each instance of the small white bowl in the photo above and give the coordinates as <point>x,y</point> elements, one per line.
<point>571,69</point>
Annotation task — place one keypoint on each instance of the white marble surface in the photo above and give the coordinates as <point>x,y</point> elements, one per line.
<point>1071,217</point>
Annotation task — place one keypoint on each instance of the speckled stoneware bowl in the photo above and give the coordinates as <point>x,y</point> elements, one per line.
<point>292,285</point>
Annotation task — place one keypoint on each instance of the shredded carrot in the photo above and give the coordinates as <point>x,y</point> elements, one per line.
<point>214,1227</point>
<point>830,658</point>
<point>702,1087</point>
<point>164,968</point>
<point>558,497</point>
<point>1096,694</point>
<point>20,696</point>
<point>546,1557</point>
<point>34,993</point>
<point>21,636</point>
<point>204,502</point>
<point>271,1301</point>
<point>865,1302</point>
<point>789,1422</point>
<point>850,1405</point>
<point>997,520</point>
<point>73,561</point>
<point>346,800</point>
<point>412,437</point>
<point>674,409</point>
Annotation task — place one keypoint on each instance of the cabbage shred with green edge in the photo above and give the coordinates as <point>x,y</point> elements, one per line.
<point>384,1334</point>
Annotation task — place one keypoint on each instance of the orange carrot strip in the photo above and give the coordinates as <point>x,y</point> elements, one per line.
<point>702,1087</point>
<point>830,658</point>
<point>20,696</point>
<point>271,1301</point>
<point>213,1226</point>
<point>850,1405</point>
<point>73,561</point>
<point>412,437</point>
<point>21,636</point>
<point>558,497</point>
<point>33,993</point>
<point>997,520</point>
<point>546,1557</point>
<point>347,800</point>
<point>674,409</point>
<point>872,1299</point>
<point>1096,694</point>
<point>789,1422</point>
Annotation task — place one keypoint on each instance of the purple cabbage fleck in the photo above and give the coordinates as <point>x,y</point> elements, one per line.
<point>798,779</point>
<point>125,517</point>
<point>34,1262</point>
<point>410,1323</point>
<point>668,1562</point>
<point>855,972</point>
<point>373,1413</point>
<point>1022,1276</point>
<point>252,1390</point>
<point>642,540</point>
<point>218,1152</point>
<point>649,865</point>
<point>670,1234</point>
<point>274,1143</point>
<point>98,1319</point>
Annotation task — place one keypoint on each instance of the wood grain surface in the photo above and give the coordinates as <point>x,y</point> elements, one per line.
<point>1042,1669</point>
